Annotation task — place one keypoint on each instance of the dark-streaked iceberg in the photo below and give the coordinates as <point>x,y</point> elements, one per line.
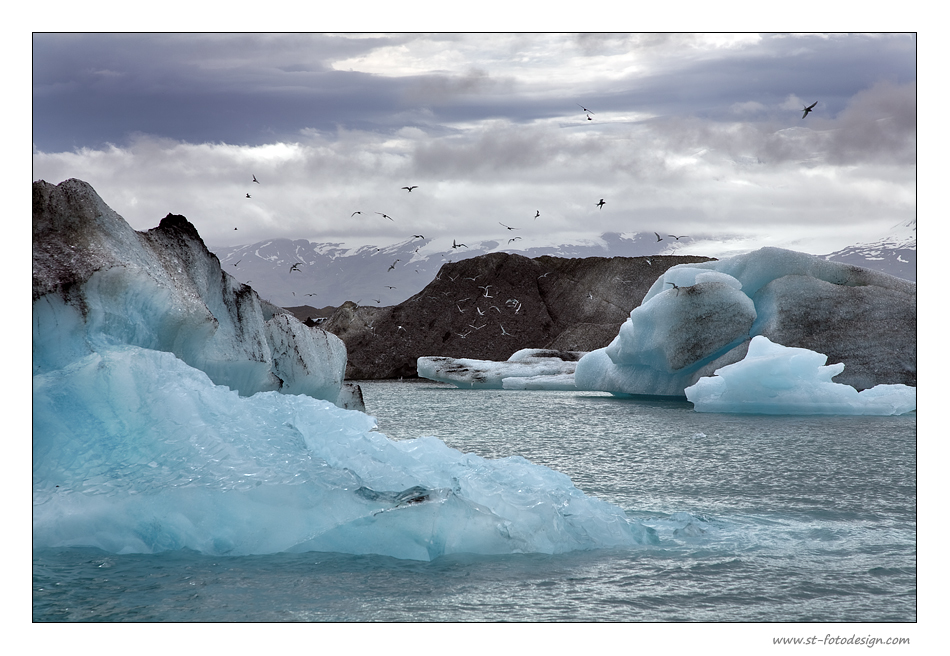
<point>97,282</point>
<point>700,317</point>
<point>172,408</point>
<point>525,369</point>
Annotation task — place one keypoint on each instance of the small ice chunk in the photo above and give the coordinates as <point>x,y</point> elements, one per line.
<point>776,379</point>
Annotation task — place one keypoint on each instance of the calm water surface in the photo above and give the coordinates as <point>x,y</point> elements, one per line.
<point>759,519</point>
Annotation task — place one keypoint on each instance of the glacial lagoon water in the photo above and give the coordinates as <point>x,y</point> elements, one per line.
<point>760,518</point>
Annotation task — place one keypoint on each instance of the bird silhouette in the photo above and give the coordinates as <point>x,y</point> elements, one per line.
<point>509,227</point>
<point>678,238</point>
<point>513,239</point>
<point>454,245</point>
<point>409,189</point>
<point>601,204</point>
<point>658,237</point>
<point>809,108</point>
<point>247,195</point>
<point>537,214</point>
<point>354,214</point>
<point>392,266</point>
<point>386,216</point>
<point>255,178</point>
<point>418,237</point>
<point>584,108</point>
<point>294,268</point>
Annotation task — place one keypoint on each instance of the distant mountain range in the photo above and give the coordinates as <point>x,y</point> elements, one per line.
<point>328,274</point>
<point>894,253</point>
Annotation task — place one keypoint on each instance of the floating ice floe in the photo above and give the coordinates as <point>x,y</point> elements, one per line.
<point>775,379</point>
<point>134,451</point>
<point>525,369</point>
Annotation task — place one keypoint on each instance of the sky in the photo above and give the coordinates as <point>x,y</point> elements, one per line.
<point>686,134</point>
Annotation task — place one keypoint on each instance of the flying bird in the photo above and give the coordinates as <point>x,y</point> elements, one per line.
<point>418,237</point>
<point>354,214</point>
<point>247,195</point>
<point>675,286</point>
<point>255,178</point>
<point>390,287</point>
<point>236,263</point>
<point>513,239</point>
<point>392,266</point>
<point>294,267</point>
<point>454,245</point>
<point>809,108</point>
<point>409,189</point>
<point>658,237</point>
<point>678,238</point>
<point>601,204</point>
<point>509,227</point>
<point>584,108</point>
<point>537,214</point>
<point>386,216</point>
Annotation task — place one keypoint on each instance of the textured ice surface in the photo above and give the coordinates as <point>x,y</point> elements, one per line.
<point>135,451</point>
<point>97,283</point>
<point>487,374</point>
<point>699,317</point>
<point>775,379</point>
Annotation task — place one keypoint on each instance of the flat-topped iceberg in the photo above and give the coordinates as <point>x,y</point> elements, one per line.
<point>700,317</point>
<point>774,379</point>
<point>540,365</point>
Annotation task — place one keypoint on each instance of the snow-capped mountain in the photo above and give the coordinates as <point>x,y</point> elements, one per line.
<point>894,253</point>
<point>299,272</point>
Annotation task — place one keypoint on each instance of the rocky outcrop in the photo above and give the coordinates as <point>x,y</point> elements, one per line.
<point>97,283</point>
<point>491,306</point>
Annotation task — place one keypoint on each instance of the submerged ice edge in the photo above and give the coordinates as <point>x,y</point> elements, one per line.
<point>135,451</point>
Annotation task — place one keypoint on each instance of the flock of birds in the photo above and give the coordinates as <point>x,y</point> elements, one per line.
<point>456,245</point>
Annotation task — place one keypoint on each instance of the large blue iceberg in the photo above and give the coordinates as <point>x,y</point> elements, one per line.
<point>698,318</point>
<point>172,408</point>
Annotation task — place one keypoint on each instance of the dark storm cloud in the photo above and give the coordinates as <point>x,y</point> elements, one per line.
<point>93,89</point>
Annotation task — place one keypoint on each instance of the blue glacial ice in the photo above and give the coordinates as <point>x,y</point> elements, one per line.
<point>172,408</point>
<point>776,379</point>
<point>136,451</point>
<point>698,318</point>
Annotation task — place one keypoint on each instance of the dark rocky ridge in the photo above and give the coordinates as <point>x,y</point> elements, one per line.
<point>490,306</point>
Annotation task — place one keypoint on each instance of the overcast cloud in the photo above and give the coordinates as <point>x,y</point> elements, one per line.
<point>692,134</point>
